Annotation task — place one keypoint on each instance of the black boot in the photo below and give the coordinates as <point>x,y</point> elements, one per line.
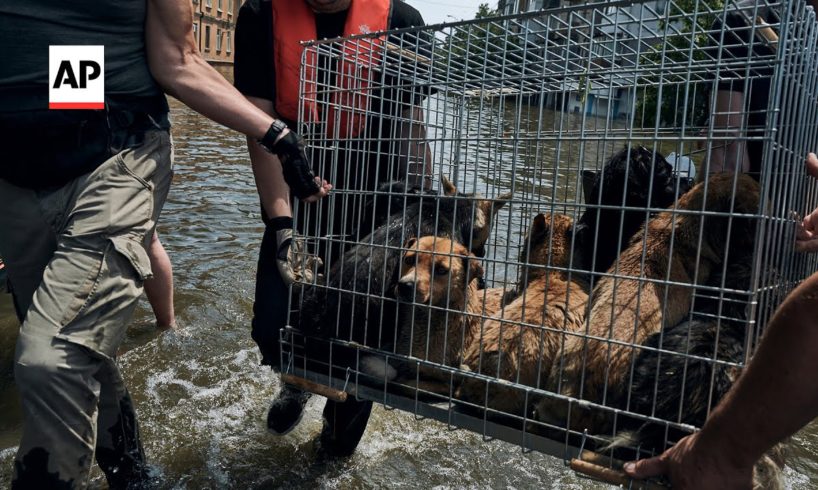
<point>344,425</point>
<point>287,409</point>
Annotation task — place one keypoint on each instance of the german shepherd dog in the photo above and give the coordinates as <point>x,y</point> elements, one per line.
<point>681,246</point>
<point>521,342</point>
<point>440,314</point>
<point>355,302</point>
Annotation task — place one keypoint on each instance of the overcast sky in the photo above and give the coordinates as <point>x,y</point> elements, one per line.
<point>437,11</point>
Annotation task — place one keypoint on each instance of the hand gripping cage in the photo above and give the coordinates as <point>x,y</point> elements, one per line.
<point>535,233</point>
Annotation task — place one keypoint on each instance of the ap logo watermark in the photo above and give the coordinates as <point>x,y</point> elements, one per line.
<point>76,77</point>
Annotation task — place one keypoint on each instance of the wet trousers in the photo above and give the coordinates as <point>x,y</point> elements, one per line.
<point>76,258</point>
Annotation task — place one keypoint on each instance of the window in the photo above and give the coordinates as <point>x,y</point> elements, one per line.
<point>218,40</point>
<point>219,6</point>
<point>229,10</point>
<point>209,3</point>
<point>229,43</point>
<point>207,38</point>
<point>196,34</point>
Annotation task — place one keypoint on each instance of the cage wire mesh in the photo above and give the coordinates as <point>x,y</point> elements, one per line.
<point>533,231</point>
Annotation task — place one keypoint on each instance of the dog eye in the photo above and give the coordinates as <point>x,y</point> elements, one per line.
<point>409,260</point>
<point>440,270</point>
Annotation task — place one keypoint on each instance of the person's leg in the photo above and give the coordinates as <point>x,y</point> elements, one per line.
<point>159,288</point>
<point>80,310</point>
<point>344,425</point>
<point>269,317</point>
<point>119,449</point>
<point>729,152</point>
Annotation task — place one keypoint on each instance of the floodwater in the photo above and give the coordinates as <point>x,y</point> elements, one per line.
<point>202,396</point>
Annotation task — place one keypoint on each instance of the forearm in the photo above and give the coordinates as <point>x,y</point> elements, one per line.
<point>777,393</point>
<point>203,89</point>
<point>272,190</point>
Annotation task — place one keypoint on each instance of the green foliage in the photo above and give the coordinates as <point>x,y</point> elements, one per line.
<point>687,37</point>
<point>482,46</point>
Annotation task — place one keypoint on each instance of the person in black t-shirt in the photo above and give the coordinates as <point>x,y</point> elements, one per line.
<point>742,95</point>
<point>388,148</point>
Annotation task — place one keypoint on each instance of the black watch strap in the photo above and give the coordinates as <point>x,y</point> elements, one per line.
<point>272,134</point>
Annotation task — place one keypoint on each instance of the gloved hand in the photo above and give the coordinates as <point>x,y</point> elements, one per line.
<point>293,263</point>
<point>294,163</point>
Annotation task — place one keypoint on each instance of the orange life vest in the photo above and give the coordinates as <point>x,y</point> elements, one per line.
<point>294,22</point>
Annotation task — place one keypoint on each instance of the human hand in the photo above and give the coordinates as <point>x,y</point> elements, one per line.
<point>325,188</point>
<point>692,464</point>
<point>289,147</point>
<point>812,165</point>
<point>806,234</point>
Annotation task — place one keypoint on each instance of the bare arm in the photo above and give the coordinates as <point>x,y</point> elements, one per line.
<point>180,70</point>
<point>272,190</point>
<point>775,396</point>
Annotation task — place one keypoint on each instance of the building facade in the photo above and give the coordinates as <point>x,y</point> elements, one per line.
<point>214,25</point>
<point>609,36</point>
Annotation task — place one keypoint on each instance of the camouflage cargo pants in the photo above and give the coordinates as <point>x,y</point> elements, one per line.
<point>76,261</point>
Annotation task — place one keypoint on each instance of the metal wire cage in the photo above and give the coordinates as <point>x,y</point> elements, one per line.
<point>534,231</point>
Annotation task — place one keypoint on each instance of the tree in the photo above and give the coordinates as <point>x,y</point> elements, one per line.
<point>665,92</point>
<point>482,46</point>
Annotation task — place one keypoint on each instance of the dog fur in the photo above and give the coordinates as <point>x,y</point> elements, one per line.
<point>649,183</point>
<point>494,299</point>
<point>438,289</point>
<point>356,301</point>
<point>682,383</point>
<point>521,342</point>
<point>626,311</point>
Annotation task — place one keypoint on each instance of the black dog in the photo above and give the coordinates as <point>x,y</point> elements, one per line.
<point>356,303</point>
<point>684,383</point>
<point>639,178</point>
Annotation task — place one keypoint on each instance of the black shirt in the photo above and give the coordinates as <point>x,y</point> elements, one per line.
<point>29,27</point>
<point>253,68</point>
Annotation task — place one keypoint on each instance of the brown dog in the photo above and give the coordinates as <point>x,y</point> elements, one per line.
<point>440,311</point>
<point>522,341</point>
<point>682,248</point>
<point>494,299</point>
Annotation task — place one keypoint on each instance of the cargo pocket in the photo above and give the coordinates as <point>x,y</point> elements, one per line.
<point>99,320</point>
<point>132,249</point>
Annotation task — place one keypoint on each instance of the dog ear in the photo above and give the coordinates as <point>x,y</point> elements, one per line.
<point>448,187</point>
<point>491,206</point>
<point>410,243</point>
<point>538,226</point>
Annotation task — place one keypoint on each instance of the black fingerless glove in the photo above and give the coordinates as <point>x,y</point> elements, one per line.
<point>290,150</point>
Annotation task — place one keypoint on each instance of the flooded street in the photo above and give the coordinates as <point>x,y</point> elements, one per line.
<point>202,397</point>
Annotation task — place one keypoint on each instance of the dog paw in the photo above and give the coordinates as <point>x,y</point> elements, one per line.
<point>377,367</point>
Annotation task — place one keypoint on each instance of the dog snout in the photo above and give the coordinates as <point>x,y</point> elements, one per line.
<point>406,290</point>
